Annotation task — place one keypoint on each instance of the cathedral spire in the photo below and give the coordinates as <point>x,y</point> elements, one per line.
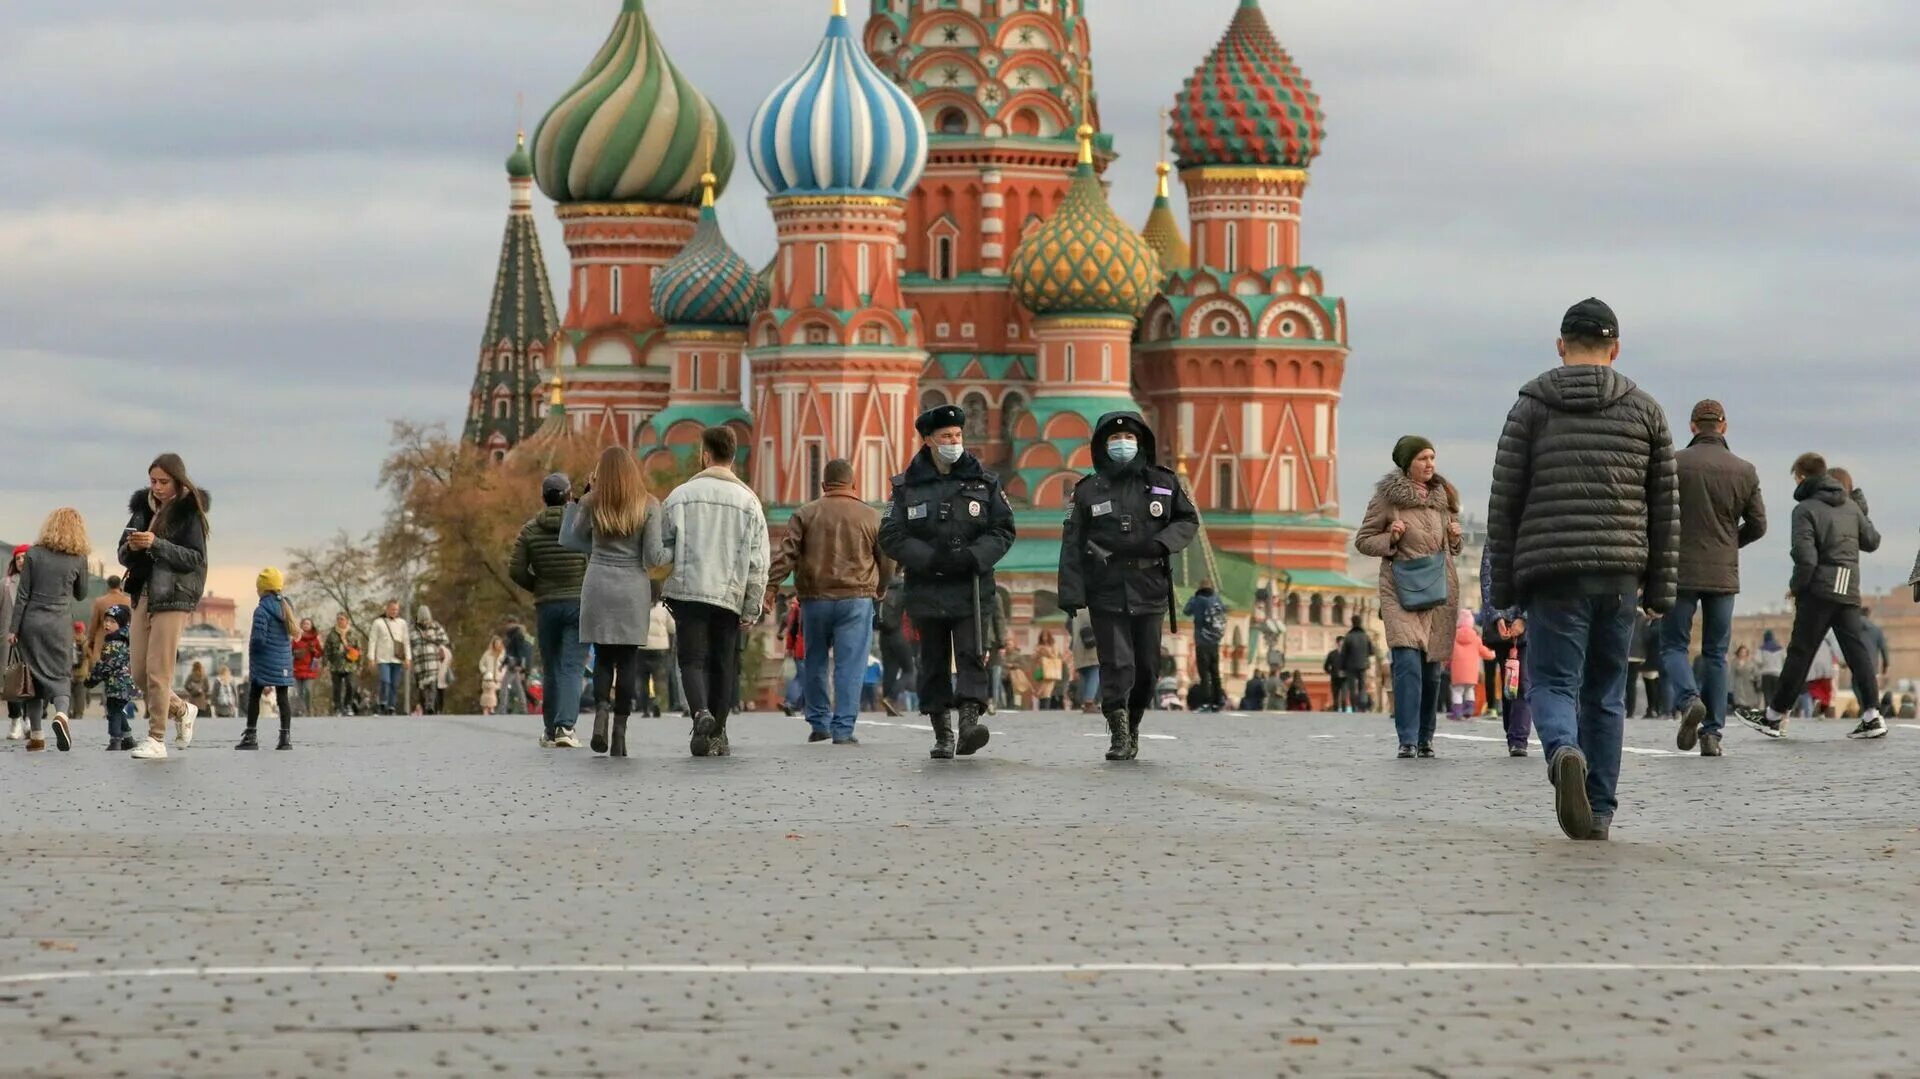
<point>515,346</point>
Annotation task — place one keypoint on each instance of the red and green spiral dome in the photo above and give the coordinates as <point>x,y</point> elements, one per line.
<point>1248,105</point>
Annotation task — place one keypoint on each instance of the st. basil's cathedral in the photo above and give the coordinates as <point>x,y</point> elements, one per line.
<point>944,237</point>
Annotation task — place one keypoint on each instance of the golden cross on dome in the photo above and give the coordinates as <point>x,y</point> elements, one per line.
<point>1086,112</point>
<point>707,179</point>
<point>1166,117</point>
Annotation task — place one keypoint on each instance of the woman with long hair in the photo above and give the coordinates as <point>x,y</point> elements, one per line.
<point>40,630</point>
<point>165,551</point>
<point>1413,527</point>
<point>613,521</point>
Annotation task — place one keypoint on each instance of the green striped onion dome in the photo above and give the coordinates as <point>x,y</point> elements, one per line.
<point>632,129</point>
<point>707,283</point>
<point>1084,260</point>
<point>520,163</point>
<point>1248,104</point>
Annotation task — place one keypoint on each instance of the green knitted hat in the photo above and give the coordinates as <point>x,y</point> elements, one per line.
<point>1409,447</point>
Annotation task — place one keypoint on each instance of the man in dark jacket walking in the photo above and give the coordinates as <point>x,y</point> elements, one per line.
<point>1125,519</point>
<point>948,524</point>
<point>1208,613</point>
<point>1831,529</point>
<point>1356,658</point>
<point>553,574</point>
<point>1585,516</point>
<point>1721,511</point>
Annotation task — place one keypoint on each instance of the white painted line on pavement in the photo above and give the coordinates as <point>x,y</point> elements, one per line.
<point>1536,741</point>
<point>1154,737</point>
<point>902,726</point>
<point>851,970</point>
<point>1909,726</point>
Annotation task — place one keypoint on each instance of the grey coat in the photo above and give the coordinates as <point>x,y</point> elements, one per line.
<point>50,584</point>
<point>616,596</point>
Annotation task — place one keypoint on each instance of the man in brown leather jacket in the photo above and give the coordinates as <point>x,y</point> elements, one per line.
<point>832,547</point>
<point>1721,511</point>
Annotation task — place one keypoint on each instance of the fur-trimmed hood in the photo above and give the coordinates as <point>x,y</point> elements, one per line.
<point>142,502</point>
<point>1400,493</point>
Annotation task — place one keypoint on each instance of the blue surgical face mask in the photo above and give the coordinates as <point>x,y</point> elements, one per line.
<point>1122,450</point>
<point>950,452</point>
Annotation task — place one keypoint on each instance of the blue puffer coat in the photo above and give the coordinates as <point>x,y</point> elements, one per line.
<point>270,649</point>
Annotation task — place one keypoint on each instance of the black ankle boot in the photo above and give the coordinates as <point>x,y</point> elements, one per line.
<point>286,738</point>
<point>249,740</point>
<point>1133,739</point>
<point>973,733</point>
<point>942,736</point>
<point>1117,733</point>
<point>599,742</point>
<point>619,747</point>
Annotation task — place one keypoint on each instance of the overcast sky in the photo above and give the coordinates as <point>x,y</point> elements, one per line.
<point>255,231</point>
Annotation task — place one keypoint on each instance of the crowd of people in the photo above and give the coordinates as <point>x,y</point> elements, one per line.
<point>1605,545</point>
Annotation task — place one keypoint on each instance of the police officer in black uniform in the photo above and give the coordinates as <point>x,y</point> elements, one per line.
<point>949,522</point>
<point>1125,520</point>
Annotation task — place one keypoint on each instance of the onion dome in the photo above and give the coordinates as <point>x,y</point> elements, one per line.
<point>520,163</point>
<point>632,129</point>
<point>707,283</point>
<point>1084,260</point>
<point>1248,105</point>
<point>839,126</point>
<point>1163,230</point>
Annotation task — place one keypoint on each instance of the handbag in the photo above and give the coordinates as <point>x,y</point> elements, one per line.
<point>16,683</point>
<point>1421,583</point>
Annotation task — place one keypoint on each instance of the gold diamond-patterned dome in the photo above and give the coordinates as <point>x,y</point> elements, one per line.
<point>1085,260</point>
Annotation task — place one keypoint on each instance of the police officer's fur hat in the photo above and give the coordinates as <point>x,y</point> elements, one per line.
<point>937,419</point>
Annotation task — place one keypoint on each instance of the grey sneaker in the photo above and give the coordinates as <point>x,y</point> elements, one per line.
<point>1569,773</point>
<point>1602,826</point>
<point>1710,745</point>
<point>1690,720</point>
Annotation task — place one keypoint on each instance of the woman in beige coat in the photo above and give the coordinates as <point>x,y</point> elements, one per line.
<point>1415,513</point>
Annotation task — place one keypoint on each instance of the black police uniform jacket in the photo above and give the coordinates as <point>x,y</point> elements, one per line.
<point>947,531</point>
<point>1123,523</point>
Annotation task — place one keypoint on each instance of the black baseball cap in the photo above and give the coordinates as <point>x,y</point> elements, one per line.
<point>1590,318</point>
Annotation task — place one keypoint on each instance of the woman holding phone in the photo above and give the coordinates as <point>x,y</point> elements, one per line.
<point>164,549</point>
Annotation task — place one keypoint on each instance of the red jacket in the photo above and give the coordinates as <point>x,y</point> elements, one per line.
<point>795,640</point>
<point>307,655</point>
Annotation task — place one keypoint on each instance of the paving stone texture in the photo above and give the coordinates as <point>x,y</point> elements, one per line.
<point>1262,839</point>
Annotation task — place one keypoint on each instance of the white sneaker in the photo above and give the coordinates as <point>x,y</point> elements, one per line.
<point>152,749</point>
<point>566,741</point>
<point>183,736</point>
<point>18,731</point>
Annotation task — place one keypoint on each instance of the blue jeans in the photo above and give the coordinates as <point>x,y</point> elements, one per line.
<point>564,659</point>
<point>390,675</point>
<point>844,626</point>
<point>1577,682</point>
<point>1417,683</point>
<point>1716,634</point>
<point>1089,684</point>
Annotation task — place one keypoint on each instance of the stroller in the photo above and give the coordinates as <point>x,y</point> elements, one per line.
<point>1166,694</point>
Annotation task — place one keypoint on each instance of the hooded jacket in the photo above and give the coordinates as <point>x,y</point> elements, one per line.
<point>1208,613</point>
<point>1585,491</point>
<point>947,530</point>
<point>1123,523</point>
<point>270,646</point>
<point>1830,530</point>
<point>1721,511</point>
<point>170,576</point>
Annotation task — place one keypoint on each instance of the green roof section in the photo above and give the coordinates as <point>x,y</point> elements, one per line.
<point>704,415</point>
<point>997,365</point>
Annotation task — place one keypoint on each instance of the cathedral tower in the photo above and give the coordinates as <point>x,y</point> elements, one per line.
<point>505,405</point>
<point>836,355</point>
<point>1242,357</point>
<point>621,155</point>
<point>998,85</point>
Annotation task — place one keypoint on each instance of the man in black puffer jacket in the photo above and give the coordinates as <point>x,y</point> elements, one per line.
<point>1830,531</point>
<point>1585,517</point>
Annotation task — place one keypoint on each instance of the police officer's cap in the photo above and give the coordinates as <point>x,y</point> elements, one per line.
<point>938,419</point>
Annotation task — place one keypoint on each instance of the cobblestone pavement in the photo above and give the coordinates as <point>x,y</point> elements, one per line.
<point>386,852</point>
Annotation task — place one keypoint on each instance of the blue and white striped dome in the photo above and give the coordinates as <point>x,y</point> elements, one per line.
<point>839,127</point>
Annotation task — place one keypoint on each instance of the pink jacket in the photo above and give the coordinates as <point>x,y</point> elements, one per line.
<point>1469,652</point>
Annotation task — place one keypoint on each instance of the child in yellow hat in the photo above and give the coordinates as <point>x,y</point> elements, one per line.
<point>270,657</point>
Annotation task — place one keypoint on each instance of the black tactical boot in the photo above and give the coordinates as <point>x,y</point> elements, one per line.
<point>250,739</point>
<point>1133,739</point>
<point>973,733</point>
<point>619,748</point>
<point>942,736</point>
<point>599,742</point>
<point>1117,732</point>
